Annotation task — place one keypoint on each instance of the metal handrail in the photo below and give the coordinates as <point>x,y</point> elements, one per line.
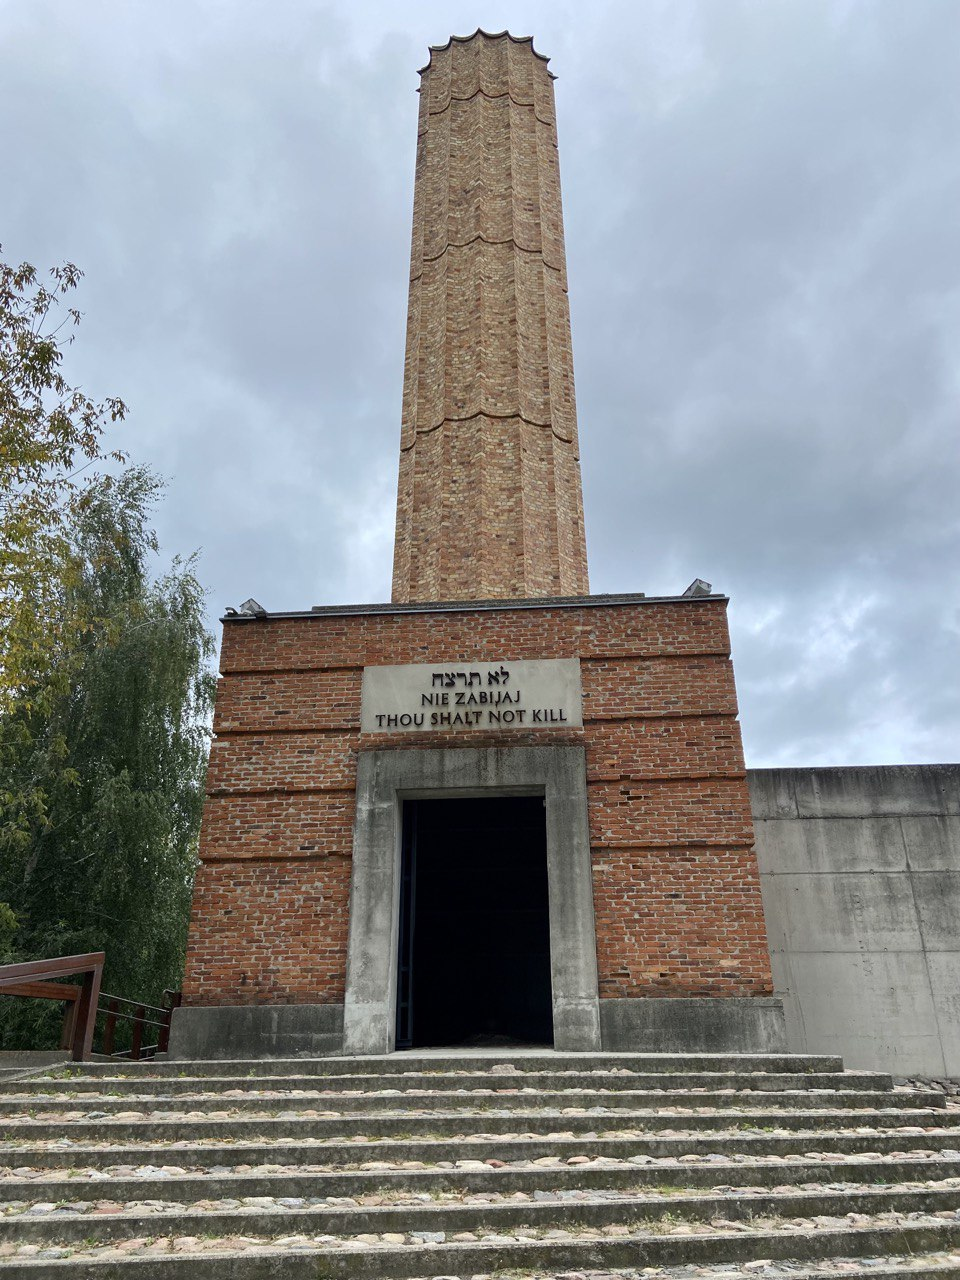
<point>140,1020</point>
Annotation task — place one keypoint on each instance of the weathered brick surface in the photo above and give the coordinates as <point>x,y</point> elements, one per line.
<point>289,700</point>
<point>348,641</point>
<point>489,499</point>
<point>251,763</point>
<point>270,907</point>
<point>668,811</point>
<point>659,686</point>
<point>292,824</point>
<point>675,878</point>
<point>678,921</point>
<point>683,747</point>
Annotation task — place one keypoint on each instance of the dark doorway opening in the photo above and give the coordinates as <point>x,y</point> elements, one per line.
<point>474,923</point>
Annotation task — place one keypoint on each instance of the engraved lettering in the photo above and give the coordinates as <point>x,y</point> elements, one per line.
<point>493,695</point>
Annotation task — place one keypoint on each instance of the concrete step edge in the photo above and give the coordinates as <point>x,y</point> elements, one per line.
<point>364,1104</point>
<point>535,1215</point>
<point>520,1058</point>
<point>214,1186</point>
<point>462,1124</point>
<point>190,1083</point>
<point>303,1095</point>
<point>408,1262</point>
<point>494,1147</point>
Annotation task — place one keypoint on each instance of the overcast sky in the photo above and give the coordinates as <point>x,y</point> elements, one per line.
<point>761,201</point>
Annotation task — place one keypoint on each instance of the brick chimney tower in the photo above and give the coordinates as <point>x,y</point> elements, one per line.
<point>489,504</point>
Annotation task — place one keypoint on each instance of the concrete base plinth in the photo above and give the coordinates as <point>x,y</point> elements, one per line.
<point>751,1025</point>
<point>257,1031</point>
<point>734,1025</point>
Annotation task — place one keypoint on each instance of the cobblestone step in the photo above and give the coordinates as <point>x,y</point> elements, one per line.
<point>936,1265</point>
<point>576,1172</point>
<point>370,1257</point>
<point>521,1060</point>
<point>732,1148</point>
<point>66,1153</point>
<point>410,1123</point>
<point>503,1100</point>
<point>616,1079</point>
<point>438,1216</point>
<point>63,1154</point>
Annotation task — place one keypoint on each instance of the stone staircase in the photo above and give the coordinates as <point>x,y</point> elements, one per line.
<point>487,1164</point>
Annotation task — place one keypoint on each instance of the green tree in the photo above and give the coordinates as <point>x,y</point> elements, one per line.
<point>104,772</point>
<point>51,433</point>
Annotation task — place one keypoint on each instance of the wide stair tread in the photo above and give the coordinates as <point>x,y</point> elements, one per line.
<point>425,1166</point>
<point>612,1079</point>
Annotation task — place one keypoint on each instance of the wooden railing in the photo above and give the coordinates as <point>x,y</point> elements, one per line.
<point>36,979</point>
<point>115,1008</point>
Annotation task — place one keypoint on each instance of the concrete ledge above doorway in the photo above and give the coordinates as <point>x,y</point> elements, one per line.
<point>384,779</point>
<point>752,1024</point>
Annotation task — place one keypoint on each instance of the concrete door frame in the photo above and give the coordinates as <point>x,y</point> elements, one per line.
<point>384,779</point>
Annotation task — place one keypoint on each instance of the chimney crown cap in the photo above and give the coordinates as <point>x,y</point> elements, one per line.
<point>489,35</point>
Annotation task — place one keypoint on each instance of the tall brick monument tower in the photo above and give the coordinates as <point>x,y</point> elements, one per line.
<point>497,809</point>
<point>489,504</point>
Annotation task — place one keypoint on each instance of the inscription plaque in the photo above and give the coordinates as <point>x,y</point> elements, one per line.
<point>456,696</point>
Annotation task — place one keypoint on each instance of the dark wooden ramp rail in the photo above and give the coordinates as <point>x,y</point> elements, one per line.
<point>36,979</point>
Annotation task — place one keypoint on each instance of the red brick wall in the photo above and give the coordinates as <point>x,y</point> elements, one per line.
<point>676,887</point>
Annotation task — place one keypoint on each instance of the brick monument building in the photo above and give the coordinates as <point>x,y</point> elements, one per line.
<point>497,809</point>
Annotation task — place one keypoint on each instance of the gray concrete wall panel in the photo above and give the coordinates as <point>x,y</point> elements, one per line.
<point>821,844</point>
<point>876,1010</point>
<point>944,970</point>
<point>860,870</point>
<point>931,843</point>
<point>857,793</point>
<point>823,912</point>
<point>937,895</point>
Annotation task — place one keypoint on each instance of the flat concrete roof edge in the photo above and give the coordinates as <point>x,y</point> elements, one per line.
<point>807,769</point>
<point>470,606</point>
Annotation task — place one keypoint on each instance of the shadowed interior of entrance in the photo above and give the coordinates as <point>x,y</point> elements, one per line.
<point>474,936</point>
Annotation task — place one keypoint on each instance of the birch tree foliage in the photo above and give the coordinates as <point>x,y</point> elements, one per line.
<point>103,780</point>
<point>105,688</point>
<point>51,434</point>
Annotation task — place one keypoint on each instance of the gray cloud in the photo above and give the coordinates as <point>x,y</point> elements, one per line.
<point>763,247</point>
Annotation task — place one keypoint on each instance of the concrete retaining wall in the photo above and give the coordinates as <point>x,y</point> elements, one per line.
<point>860,870</point>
